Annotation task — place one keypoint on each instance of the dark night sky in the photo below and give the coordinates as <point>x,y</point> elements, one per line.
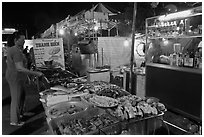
<point>38,16</point>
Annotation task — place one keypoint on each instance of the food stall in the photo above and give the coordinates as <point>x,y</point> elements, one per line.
<point>174,65</point>
<point>99,108</point>
<point>91,104</point>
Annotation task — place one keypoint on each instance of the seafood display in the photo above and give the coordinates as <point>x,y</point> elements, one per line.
<point>57,76</point>
<point>85,125</point>
<point>101,88</point>
<point>112,91</point>
<point>132,106</point>
<point>66,108</point>
<point>101,101</point>
<point>74,117</point>
<point>59,94</point>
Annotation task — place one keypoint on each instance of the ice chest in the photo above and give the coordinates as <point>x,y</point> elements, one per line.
<point>99,75</point>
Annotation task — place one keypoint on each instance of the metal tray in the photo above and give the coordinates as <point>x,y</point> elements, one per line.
<point>90,113</point>
<point>113,129</point>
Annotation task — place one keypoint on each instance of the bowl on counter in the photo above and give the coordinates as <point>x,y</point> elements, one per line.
<point>67,108</point>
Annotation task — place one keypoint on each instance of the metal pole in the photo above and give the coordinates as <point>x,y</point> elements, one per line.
<point>132,48</point>
<point>56,30</point>
<point>146,35</point>
<point>102,56</point>
<point>26,34</point>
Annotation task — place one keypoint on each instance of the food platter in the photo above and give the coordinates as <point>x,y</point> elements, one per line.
<point>71,85</point>
<point>102,101</point>
<point>79,80</point>
<point>78,93</point>
<point>83,123</point>
<point>66,108</point>
<point>47,92</point>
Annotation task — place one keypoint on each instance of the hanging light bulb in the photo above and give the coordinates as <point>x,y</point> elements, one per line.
<point>165,41</point>
<point>61,31</point>
<point>126,43</point>
<point>95,28</point>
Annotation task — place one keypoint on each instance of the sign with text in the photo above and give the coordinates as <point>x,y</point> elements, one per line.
<point>49,50</point>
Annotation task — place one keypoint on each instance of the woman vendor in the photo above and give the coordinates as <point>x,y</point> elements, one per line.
<point>16,75</point>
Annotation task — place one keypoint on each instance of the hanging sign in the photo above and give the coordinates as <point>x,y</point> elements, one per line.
<point>49,50</point>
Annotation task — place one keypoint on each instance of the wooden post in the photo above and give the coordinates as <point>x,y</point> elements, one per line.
<point>132,50</point>
<point>26,34</point>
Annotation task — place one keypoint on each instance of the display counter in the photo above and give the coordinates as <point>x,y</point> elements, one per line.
<point>179,88</point>
<point>176,68</point>
<point>99,108</point>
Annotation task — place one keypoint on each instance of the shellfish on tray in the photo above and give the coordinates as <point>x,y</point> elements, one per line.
<point>101,101</point>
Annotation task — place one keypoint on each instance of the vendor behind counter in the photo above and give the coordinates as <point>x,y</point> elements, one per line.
<point>77,65</point>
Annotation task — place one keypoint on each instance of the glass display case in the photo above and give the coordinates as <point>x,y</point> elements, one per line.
<point>175,39</point>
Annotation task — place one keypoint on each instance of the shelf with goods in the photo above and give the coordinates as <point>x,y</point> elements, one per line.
<point>176,36</point>
<point>174,60</point>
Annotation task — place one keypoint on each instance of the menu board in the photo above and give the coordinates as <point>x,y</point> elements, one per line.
<point>49,50</point>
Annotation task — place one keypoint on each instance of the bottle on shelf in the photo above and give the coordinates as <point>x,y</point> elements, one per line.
<point>180,60</point>
<point>187,26</point>
<point>198,58</point>
<point>200,29</point>
<point>189,59</point>
<point>175,29</point>
<point>181,27</point>
<point>175,61</point>
<point>186,60</point>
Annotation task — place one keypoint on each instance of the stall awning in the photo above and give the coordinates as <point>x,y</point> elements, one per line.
<point>101,8</point>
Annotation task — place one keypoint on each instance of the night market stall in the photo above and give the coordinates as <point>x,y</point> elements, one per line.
<point>93,103</point>
<point>174,66</point>
<point>89,104</point>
